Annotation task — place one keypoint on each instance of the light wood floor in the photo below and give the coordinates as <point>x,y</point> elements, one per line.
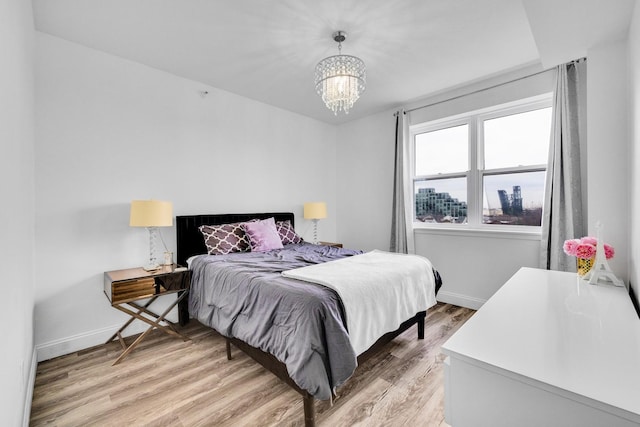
<point>168,382</point>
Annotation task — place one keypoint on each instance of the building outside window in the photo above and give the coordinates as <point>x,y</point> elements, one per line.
<point>483,169</point>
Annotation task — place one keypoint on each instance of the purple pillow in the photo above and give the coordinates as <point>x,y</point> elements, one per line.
<point>262,235</point>
<point>225,238</point>
<point>287,234</point>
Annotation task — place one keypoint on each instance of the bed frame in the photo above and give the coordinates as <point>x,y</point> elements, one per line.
<point>190,242</point>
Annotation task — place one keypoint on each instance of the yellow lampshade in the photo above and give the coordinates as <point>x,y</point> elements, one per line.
<point>315,210</point>
<point>151,213</point>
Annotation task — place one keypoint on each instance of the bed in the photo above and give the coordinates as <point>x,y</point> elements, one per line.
<point>294,328</point>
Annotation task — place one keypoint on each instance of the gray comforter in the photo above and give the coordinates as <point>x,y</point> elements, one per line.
<point>243,295</point>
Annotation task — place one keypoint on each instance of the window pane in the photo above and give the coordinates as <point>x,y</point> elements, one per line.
<point>517,140</point>
<point>442,151</point>
<point>441,200</point>
<point>513,199</point>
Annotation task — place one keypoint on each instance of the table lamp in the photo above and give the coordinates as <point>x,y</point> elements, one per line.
<point>151,214</point>
<point>315,211</point>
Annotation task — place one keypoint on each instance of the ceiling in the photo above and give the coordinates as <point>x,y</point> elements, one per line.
<point>267,50</point>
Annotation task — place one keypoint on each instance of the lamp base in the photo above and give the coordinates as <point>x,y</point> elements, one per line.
<point>315,231</point>
<point>153,264</point>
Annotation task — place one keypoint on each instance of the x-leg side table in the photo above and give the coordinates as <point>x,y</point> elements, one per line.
<point>124,288</point>
<point>154,323</point>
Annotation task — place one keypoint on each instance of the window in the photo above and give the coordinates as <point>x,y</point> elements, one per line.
<point>484,169</point>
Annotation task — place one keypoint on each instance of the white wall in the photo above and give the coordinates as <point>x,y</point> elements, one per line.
<point>365,181</point>
<point>634,150</point>
<point>608,148</point>
<point>110,131</point>
<point>473,265</point>
<point>17,364</point>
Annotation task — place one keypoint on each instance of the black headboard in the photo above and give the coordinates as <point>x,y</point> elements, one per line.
<point>190,241</point>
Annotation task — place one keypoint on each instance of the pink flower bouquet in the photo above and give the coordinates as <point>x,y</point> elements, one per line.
<point>585,248</point>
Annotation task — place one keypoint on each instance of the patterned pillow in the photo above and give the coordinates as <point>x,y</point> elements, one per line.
<point>225,238</point>
<point>287,234</point>
<point>262,235</point>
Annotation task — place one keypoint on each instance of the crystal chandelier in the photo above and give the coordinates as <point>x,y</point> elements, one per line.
<point>340,79</point>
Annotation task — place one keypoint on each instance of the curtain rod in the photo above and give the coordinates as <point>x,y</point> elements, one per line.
<point>477,91</point>
<point>575,61</point>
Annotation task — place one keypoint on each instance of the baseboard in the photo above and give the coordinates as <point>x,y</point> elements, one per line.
<point>82,341</point>
<point>28,395</point>
<point>460,300</point>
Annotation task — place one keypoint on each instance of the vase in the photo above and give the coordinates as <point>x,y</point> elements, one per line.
<point>584,265</point>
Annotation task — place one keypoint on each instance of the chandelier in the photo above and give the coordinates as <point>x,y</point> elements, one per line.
<point>340,79</point>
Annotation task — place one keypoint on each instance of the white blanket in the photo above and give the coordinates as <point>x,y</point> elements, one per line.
<point>379,290</point>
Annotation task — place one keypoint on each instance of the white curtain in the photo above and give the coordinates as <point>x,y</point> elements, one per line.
<point>402,213</point>
<point>562,216</point>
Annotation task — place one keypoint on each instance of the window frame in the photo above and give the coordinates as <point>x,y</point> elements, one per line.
<point>476,172</point>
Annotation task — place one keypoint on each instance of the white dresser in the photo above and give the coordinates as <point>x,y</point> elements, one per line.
<point>546,350</point>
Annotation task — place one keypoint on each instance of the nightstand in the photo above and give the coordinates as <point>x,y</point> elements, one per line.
<point>335,245</point>
<point>124,288</point>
